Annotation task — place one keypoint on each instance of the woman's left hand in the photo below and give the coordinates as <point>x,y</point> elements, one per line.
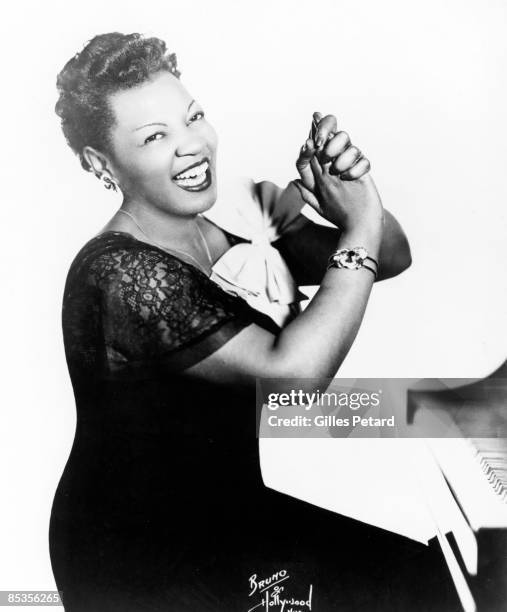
<point>335,154</point>
<point>395,254</point>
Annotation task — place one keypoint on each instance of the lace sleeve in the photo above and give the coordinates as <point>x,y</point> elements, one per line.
<point>158,310</point>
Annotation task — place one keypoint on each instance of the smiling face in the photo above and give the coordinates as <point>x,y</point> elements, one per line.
<point>163,151</point>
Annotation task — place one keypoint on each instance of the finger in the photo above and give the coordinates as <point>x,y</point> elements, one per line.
<point>317,169</point>
<point>318,175</point>
<point>336,146</point>
<point>306,153</point>
<point>326,126</point>
<point>345,160</point>
<point>358,170</point>
<point>316,117</point>
<point>307,196</point>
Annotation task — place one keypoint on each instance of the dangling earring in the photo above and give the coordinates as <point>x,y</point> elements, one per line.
<point>107,181</point>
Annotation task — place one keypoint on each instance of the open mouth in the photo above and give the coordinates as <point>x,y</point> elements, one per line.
<point>196,177</point>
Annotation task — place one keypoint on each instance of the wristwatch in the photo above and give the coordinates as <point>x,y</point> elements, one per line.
<point>352,259</point>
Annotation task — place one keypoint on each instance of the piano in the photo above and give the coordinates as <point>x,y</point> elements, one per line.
<point>465,432</point>
<point>439,477</point>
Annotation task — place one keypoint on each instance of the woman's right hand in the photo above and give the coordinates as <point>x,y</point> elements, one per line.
<point>335,179</point>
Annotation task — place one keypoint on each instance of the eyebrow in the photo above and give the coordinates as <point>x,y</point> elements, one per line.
<point>160,122</point>
<point>148,125</point>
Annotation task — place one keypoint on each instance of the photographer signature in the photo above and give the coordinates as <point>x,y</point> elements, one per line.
<point>274,596</point>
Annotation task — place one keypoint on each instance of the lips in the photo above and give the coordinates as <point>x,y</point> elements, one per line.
<point>195,177</point>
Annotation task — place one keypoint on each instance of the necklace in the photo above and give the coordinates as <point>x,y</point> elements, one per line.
<point>172,249</point>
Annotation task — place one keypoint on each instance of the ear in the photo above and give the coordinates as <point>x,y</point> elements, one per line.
<point>97,161</point>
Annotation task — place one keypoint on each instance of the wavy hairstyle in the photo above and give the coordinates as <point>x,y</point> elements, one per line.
<point>107,64</point>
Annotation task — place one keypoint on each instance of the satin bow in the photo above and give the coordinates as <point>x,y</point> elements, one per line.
<point>255,270</point>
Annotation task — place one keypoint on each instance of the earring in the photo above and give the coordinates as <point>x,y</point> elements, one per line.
<point>107,181</point>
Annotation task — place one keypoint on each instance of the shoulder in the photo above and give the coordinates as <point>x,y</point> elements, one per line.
<point>114,255</point>
<point>116,269</point>
<point>142,277</point>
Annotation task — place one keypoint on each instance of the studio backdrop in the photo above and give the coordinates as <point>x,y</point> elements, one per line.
<point>421,88</point>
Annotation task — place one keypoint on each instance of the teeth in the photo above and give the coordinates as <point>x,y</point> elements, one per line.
<point>193,172</point>
<point>192,182</point>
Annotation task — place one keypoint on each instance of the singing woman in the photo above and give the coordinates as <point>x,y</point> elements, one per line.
<point>161,505</point>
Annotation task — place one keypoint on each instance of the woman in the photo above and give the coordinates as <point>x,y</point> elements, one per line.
<point>161,505</point>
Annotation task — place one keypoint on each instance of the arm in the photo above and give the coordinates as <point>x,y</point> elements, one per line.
<point>316,342</point>
<point>306,245</point>
<point>182,321</point>
<point>395,256</point>
<point>329,148</point>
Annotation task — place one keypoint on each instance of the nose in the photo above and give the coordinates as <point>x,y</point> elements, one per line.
<point>191,143</point>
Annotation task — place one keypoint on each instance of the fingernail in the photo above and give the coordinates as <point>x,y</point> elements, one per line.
<point>319,142</point>
<point>303,148</point>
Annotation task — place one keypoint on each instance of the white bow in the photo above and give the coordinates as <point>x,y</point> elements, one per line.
<point>255,270</point>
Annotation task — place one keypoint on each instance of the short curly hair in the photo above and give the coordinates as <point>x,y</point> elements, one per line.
<point>107,64</point>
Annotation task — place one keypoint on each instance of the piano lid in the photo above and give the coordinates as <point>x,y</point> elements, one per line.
<point>478,408</point>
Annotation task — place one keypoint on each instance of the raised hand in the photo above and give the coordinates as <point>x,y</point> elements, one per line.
<point>334,177</point>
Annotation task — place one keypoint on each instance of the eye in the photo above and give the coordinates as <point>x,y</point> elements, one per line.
<point>197,116</point>
<point>153,137</point>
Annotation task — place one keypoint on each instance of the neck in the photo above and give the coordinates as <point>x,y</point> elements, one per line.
<point>166,228</point>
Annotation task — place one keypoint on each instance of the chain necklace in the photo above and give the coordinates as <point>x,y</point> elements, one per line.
<point>172,249</point>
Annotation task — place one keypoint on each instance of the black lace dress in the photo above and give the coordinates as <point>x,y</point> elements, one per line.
<point>161,505</point>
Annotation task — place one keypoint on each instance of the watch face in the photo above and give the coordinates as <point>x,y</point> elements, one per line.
<point>350,258</point>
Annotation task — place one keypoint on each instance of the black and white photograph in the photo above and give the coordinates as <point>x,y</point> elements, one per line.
<point>254,303</point>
